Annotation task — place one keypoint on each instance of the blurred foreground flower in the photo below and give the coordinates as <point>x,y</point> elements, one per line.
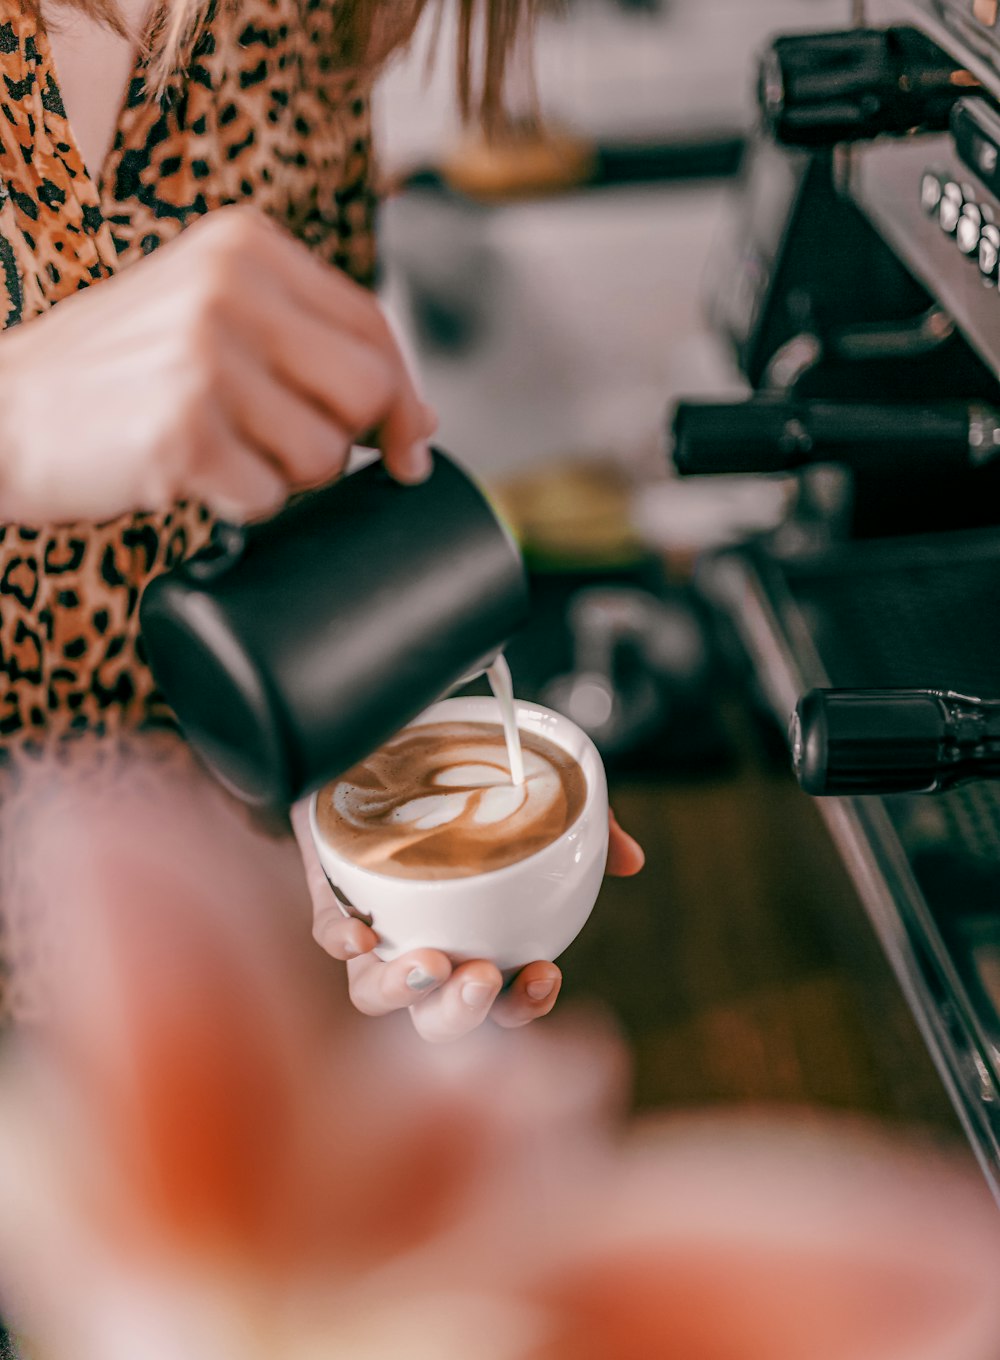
<point>206,1154</point>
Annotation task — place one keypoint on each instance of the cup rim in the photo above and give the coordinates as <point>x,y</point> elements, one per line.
<point>589,750</point>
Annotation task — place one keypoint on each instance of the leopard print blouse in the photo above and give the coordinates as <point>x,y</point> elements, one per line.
<point>257,117</point>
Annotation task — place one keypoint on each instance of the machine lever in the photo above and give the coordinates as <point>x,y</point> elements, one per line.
<point>769,434</point>
<point>886,741</point>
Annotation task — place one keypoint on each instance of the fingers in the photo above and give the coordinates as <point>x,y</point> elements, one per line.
<point>408,458</point>
<point>354,373</point>
<point>232,479</point>
<point>328,293</point>
<point>244,250</point>
<point>460,1005</point>
<point>378,988</point>
<point>343,937</point>
<point>531,995</point>
<point>444,1004</point>
<point>405,423</point>
<point>625,855</point>
<point>324,338</point>
<point>358,384</point>
<point>447,1004</point>
<point>307,445</point>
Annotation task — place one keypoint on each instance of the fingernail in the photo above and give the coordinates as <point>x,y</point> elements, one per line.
<point>328,936</point>
<point>420,464</point>
<point>477,994</point>
<point>418,980</point>
<point>540,988</point>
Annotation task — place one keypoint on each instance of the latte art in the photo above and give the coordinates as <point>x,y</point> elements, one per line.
<point>438,801</point>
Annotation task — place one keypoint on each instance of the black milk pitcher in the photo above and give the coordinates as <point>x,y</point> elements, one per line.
<point>292,648</point>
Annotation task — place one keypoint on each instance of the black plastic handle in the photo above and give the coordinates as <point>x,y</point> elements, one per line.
<point>887,741</point>
<point>767,434</point>
<point>817,89</point>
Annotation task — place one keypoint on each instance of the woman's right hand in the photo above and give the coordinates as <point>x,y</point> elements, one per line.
<point>230,367</point>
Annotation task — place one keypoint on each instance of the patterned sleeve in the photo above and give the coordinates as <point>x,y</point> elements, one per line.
<point>342,227</point>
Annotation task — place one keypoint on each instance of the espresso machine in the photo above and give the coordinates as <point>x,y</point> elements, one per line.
<point>860,295</point>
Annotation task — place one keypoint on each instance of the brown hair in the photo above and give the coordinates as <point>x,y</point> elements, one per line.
<point>365,34</point>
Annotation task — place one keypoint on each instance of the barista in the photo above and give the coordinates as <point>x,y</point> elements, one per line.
<point>229,357</point>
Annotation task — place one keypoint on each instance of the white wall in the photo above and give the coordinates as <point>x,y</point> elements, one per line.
<point>590,305</point>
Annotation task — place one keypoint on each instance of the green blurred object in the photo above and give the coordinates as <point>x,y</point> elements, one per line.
<point>573,517</point>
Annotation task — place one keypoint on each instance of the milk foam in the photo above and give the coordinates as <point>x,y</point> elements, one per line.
<point>485,780</point>
<point>439,801</point>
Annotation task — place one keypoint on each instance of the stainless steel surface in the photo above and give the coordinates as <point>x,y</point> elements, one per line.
<point>927,928</point>
<point>779,641</point>
<point>889,177</point>
<point>886,182</point>
<point>952,24</point>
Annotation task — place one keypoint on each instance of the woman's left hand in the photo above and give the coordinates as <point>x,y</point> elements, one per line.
<point>444,1002</point>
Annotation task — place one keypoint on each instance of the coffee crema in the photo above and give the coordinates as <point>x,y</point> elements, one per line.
<point>438,802</point>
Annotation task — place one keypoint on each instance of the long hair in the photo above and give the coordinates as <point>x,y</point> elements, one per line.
<point>365,34</point>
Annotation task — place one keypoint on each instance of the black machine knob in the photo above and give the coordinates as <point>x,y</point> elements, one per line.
<point>767,434</point>
<point>819,89</point>
<point>886,741</point>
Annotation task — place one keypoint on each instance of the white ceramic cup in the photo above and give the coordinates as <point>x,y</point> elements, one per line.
<point>532,909</point>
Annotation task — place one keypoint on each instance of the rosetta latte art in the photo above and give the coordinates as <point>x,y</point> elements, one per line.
<point>438,801</point>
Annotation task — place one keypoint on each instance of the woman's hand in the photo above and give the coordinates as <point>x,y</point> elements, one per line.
<point>444,1002</point>
<point>230,367</point>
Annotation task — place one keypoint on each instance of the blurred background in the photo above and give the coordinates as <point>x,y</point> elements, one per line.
<point>555,297</point>
<point>559,324</point>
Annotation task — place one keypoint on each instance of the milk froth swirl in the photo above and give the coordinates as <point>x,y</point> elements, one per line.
<point>438,802</point>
